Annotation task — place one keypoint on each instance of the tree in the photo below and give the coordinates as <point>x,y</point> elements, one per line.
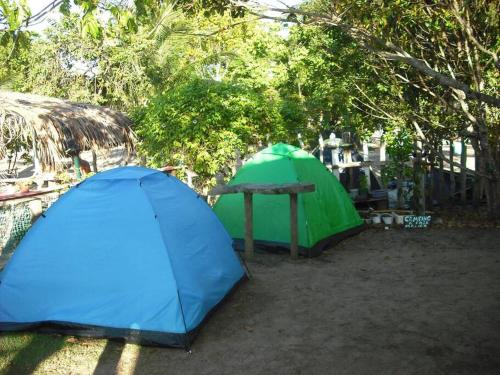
<point>446,49</point>
<point>202,123</point>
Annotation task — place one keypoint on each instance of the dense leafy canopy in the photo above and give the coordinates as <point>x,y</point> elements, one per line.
<point>202,123</point>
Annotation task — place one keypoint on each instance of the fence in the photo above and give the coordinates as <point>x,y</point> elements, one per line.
<point>16,219</point>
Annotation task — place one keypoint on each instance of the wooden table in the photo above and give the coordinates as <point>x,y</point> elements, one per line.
<point>249,189</point>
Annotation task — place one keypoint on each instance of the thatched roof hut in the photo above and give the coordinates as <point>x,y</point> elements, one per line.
<point>60,128</point>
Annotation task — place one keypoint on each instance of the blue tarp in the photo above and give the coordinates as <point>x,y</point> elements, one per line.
<point>127,250</point>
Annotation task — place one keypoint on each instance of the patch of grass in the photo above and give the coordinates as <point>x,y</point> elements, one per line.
<point>21,353</point>
<point>32,353</point>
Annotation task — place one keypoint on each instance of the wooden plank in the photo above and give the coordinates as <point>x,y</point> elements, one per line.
<point>263,188</point>
<point>28,194</point>
<point>248,225</point>
<point>294,233</point>
<point>354,164</point>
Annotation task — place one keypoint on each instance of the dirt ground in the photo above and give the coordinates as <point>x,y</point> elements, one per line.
<point>383,302</point>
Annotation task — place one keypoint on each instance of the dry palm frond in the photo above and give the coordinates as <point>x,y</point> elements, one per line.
<point>59,127</point>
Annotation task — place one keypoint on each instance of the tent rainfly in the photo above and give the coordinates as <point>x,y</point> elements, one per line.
<point>155,264</point>
<point>59,128</point>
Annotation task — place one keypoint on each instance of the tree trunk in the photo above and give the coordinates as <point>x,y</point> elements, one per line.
<point>441,177</point>
<point>491,190</point>
<point>419,181</point>
<point>488,168</point>
<point>431,187</point>
<point>476,187</point>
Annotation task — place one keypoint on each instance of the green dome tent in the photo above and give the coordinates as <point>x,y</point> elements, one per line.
<point>324,216</point>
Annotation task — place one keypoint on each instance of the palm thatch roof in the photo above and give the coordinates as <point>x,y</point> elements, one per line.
<point>59,127</point>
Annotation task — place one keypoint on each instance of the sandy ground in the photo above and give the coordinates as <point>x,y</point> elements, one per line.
<point>383,302</point>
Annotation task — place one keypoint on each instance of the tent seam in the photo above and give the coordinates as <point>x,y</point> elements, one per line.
<point>166,250</point>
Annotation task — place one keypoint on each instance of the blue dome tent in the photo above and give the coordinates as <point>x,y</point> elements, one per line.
<point>130,253</point>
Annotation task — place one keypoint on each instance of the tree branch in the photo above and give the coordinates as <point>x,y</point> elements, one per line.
<point>383,48</point>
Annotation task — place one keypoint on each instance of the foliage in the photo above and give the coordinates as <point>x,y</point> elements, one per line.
<point>399,146</point>
<point>202,123</point>
<point>62,64</point>
<point>427,68</point>
<point>363,183</point>
<point>448,52</point>
<point>399,143</point>
<point>323,67</point>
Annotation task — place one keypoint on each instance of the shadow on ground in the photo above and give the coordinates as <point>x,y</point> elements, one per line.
<point>109,358</point>
<point>39,348</point>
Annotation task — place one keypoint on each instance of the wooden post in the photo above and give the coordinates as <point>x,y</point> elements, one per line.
<point>431,187</point>
<point>248,225</point>
<point>366,169</point>
<point>94,161</point>
<point>441,175</point>
<point>423,182</point>
<point>76,164</point>
<point>463,172</point>
<point>419,177</point>
<point>347,155</point>
<point>36,161</point>
<point>294,234</point>
<point>452,171</point>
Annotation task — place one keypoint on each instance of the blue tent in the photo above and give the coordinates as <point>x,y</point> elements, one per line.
<point>128,253</point>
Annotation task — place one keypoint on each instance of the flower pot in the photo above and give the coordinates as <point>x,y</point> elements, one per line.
<point>368,221</point>
<point>24,189</point>
<point>399,219</point>
<point>387,219</point>
<point>375,218</point>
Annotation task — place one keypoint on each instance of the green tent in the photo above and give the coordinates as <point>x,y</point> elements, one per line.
<point>324,216</point>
